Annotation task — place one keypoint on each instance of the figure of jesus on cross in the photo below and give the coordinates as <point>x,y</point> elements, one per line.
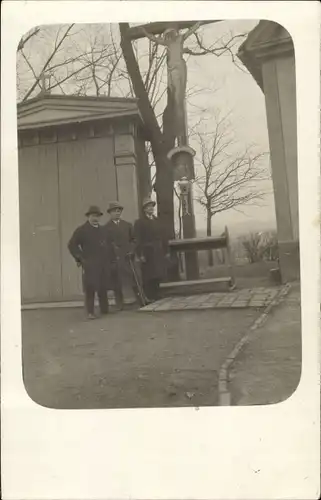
<point>174,40</point>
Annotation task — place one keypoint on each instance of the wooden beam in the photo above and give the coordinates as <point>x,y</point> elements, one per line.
<point>198,244</point>
<point>157,28</point>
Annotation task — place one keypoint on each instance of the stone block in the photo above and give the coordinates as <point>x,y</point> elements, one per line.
<point>289,254</point>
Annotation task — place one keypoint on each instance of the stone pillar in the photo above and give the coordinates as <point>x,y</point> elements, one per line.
<point>280,96</point>
<point>126,176</point>
<point>268,54</point>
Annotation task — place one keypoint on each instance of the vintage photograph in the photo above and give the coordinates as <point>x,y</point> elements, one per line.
<point>159,226</point>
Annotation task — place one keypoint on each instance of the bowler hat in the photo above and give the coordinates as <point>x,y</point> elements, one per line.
<point>93,210</point>
<point>148,201</point>
<point>113,205</point>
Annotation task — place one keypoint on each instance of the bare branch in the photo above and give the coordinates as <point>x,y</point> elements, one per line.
<point>227,179</point>
<point>218,48</point>
<point>30,66</point>
<point>47,63</point>
<point>23,41</point>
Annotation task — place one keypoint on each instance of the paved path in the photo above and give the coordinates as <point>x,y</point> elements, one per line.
<point>128,359</point>
<point>239,299</point>
<point>268,368</point>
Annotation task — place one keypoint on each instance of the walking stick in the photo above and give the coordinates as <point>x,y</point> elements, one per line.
<point>141,294</point>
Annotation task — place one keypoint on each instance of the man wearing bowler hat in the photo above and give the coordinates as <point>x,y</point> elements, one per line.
<point>151,249</point>
<point>91,251</point>
<point>120,234</point>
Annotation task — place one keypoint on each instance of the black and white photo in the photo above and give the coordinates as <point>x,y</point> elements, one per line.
<point>158,234</point>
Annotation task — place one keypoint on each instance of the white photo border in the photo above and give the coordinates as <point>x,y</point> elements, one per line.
<point>163,453</point>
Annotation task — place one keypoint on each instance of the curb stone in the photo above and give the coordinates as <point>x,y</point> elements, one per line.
<point>223,381</point>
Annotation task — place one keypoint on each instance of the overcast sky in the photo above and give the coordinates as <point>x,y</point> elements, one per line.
<point>237,92</point>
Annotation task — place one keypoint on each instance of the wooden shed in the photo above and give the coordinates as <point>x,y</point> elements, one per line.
<point>73,152</point>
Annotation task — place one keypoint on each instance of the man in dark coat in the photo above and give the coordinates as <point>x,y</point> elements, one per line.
<point>120,234</point>
<point>90,249</point>
<point>151,249</point>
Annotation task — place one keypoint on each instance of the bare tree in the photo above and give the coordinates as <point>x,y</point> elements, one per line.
<point>227,178</point>
<point>252,244</point>
<point>270,246</point>
<point>70,60</point>
<point>84,60</point>
<point>48,66</point>
<point>99,58</point>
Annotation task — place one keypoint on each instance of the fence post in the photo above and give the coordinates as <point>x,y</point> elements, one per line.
<point>229,256</point>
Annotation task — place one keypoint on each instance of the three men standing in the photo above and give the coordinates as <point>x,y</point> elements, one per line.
<point>107,253</point>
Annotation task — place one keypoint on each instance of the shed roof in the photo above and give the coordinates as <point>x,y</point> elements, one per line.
<point>49,110</point>
<point>267,39</point>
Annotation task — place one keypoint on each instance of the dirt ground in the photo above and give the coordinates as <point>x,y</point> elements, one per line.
<point>128,359</point>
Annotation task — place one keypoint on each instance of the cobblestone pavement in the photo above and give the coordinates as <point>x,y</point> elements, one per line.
<point>249,297</point>
<point>128,359</point>
<point>268,369</point>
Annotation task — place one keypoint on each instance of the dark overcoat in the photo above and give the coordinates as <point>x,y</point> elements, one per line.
<point>89,247</point>
<point>151,244</point>
<point>121,238</point>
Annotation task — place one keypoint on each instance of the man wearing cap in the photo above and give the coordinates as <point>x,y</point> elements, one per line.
<point>119,233</point>
<point>151,249</point>
<point>91,251</point>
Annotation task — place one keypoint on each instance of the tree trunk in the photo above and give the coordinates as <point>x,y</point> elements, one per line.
<point>164,177</point>
<point>160,142</point>
<point>209,233</point>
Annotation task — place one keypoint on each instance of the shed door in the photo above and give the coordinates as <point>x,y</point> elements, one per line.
<point>39,223</point>
<point>86,177</point>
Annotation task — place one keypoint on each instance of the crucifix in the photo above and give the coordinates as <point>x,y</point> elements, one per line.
<point>173,35</point>
<point>174,40</point>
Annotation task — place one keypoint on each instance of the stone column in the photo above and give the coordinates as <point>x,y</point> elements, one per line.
<point>268,54</point>
<point>126,176</point>
<point>280,96</point>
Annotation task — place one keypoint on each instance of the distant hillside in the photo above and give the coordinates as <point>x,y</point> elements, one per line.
<point>241,228</point>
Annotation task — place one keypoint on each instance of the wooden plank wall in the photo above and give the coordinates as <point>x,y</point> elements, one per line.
<point>86,177</point>
<point>39,223</point>
<point>61,173</point>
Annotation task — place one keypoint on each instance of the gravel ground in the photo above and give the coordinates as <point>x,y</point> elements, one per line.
<point>128,359</point>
